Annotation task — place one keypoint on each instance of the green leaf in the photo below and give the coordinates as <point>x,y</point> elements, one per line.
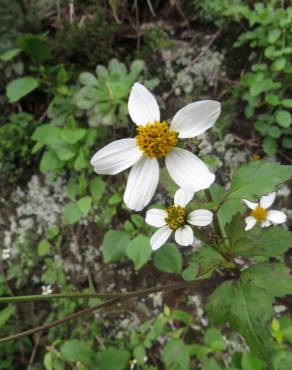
<point>35,47</point>
<point>114,245</point>
<point>43,247</point>
<point>283,117</point>
<point>272,99</point>
<point>20,87</point>
<point>274,34</point>
<point>87,78</point>
<point>287,142</point>
<point>72,136</point>
<point>287,103</point>
<point>176,355</point>
<point>50,162</point>
<point>269,242</point>
<point>168,258</point>
<point>53,232</point>
<point>72,213</point>
<point>257,178</point>
<point>214,339</point>
<point>112,359</point>
<point>63,152</point>
<point>273,277</point>
<point>279,64</point>
<point>248,309</point>
<point>5,314</point>
<point>47,134</point>
<point>270,146</point>
<point>9,54</point>
<point>210,364</point>
<point>249,362</point>
<point>85,204</point>
<point>74,350</point>
<point>191,272</point>
<point>97,188</point>
<point>139,251</point>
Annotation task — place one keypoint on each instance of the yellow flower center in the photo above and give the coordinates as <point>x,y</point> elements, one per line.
<point>156,139</point>
<point>259,214</point>
<point>176,216</point>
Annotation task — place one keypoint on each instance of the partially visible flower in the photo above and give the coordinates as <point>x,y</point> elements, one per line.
<point>47,289</point>
<point>175,219</point>
<point>156,139</point>
<point>261,214</point>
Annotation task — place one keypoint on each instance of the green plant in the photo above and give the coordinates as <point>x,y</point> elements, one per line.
<point>104,96</point>
<point>16,144</point>
<point>266,87</point>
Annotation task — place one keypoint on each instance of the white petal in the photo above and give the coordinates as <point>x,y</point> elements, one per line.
<point>142,105</point>
<point>250,205</point>
<point>250,222</point>
<point>267,200</point>
<point>276,217</point>
<point>116,157</point>
<point>183,197</point>
<point>195,118</point>
<point>265,223</point>
<point>200,217</point>
<point>160,237</point>
<point>156,217</point>
<point>188,171</point>
<point>184,235</point>
<point>142,183</point>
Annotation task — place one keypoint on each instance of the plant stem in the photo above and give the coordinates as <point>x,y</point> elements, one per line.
<point>73,316</point>
<point>135,293</point>
<point>112,299</point>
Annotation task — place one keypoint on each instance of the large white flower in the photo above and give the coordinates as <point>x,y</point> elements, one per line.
<point>175,219</point>
<point>157,139</point>
<point>261,214</point>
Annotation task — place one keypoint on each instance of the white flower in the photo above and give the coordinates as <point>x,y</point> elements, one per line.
<point>175,219</point>
<point>261,214</point>
<point>157,139</point>
<point>47,289</point>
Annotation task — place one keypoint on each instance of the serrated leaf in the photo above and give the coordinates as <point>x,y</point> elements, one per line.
<point>274,278</point>
<point>248,309</point>
<point>139,251</point>
<point>283,117</point>
<point>258,178</point>
<point>114,245</point>
<point>168,258</point>
<point>43,247</point>
<point>270,242</point>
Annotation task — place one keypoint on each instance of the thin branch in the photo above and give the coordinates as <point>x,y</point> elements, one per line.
<point>73,316</point>
<point>115,298</point>
<point>135,293</point>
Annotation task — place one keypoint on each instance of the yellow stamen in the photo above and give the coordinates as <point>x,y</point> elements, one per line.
<point>176,216</point>
<point>259,214</point>
<point>156,139</point>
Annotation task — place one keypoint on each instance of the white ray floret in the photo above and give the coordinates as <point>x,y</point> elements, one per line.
<point>157,139</point>
<point>175,220</point>
<point>261,214</point>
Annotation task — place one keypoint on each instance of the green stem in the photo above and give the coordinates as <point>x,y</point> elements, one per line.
<point>115,298</point>
<point>135,293</point>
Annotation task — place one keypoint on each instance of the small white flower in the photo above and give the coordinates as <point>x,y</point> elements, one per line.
<point>47,289</point>
<point>157,139</point>
<point>261,214</point>
<point>175,219</point>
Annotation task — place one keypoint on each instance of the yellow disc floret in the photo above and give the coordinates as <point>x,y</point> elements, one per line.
<point>176,216</point>
<point>156,139</point>
<point>259,214</point>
